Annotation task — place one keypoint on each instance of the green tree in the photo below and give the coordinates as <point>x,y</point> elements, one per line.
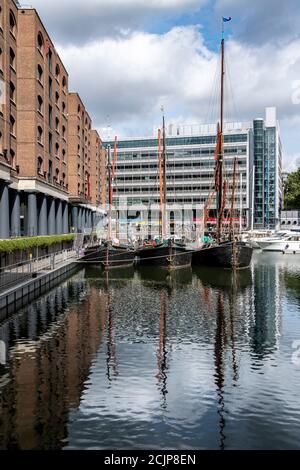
<point>292,191</point>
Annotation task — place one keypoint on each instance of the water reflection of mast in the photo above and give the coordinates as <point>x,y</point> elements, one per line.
<point>162,350</point>
<point>111,347</point>
<point>232,309</point>
<point>220,340</point>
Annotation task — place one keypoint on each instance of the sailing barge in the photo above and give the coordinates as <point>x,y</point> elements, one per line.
<point>226,251</point>
<point>165,253</point>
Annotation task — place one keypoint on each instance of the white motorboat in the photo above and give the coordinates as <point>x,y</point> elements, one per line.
<point>288,243</point>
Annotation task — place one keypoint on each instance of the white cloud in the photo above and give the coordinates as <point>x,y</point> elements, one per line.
<point>292,162</point>
<point>77,21</point>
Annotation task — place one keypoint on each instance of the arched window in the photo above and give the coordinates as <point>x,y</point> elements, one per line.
<point>63,154</point>
<point>57,71</point>
<point>12,92</point>
<point>40,42</point>
<point>78,109</point>
<point>40,73</point>
<point>40,165</point>
<point>63,107</point>
<point>12,125</point>
<point>63,131</point>
<point>78,129</point>
<point>40,134</point>
<point>12,23</point>
<point>56,124</point>
<point>40,104</point>
<point>64,177</point>
<point>57,174</point>
<point>64,83</point>
<point>56,97</point>
<point>12,58</point>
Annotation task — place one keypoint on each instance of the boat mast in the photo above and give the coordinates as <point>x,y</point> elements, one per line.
<point>110,194</point>
<point>163,180</point>
<point>221,146</point>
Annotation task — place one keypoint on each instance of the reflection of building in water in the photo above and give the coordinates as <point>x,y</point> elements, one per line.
<point>266,316</point>
<point>53,359</point>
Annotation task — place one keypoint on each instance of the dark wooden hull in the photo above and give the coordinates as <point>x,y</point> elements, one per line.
<point>110,257</point>
<point>226,255</point>
<point>165,257</point>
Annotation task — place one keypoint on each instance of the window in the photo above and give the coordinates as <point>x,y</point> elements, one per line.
<point>40,42</point>
<point>63,154</point>
<point>50,143</point>
<point>57,174</point>
<point>12,92</point>
<point>1,60</point>
<point>64,178</point>
<point>50,88</point>
<point>40,165</point>
<point>12,58</point>
<point>57,124</point>
<point>56,97</point>
<point>63,107</point>
<point>78,109</point>
<point>12,23</point>
<point>78,129</point>
<point>50,173</point>
<point>40,135</point>
<point>1,18</point>
<point>40,104</point>
<point>57,150</point>
<point>50,60</point>
<point>12,125</point>
<point>12,158</point>
<point>64,83</point>
<point>57,71</point>
<point>50,116</point>
<point>40,73</point>
<point>63,131</point>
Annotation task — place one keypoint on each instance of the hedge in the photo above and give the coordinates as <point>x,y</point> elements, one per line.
<point>8,246</point>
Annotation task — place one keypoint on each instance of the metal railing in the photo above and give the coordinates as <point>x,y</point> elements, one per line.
<point>17,273</point>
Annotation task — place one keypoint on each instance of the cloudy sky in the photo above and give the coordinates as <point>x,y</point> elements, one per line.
<point>128,57</point>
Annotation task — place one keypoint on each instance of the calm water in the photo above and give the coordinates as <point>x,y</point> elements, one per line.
<point>145,360</point>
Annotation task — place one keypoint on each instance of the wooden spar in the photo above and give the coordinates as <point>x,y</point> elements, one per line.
<point>164,178</point>
<point>115,158</point>
<point>160,185</point>
<point>221,149</point>
<point>109,193</point>
<point>113,172</point>
<point>232,200</point>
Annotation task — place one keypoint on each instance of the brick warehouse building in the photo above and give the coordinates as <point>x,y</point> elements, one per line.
<point>39,123</point>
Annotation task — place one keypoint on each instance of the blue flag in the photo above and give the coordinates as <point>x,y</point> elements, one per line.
<point>226,19</point>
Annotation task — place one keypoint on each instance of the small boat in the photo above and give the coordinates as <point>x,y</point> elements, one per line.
<point>167,254</point>
<point>110,254</point>
<point>224,251</point>
<point>289,243</point>
<point>228,255</point>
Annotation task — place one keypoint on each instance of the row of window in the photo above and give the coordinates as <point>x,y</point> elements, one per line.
<point>173,141</point>
<point>12,22</point>
<point>44,46</point>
